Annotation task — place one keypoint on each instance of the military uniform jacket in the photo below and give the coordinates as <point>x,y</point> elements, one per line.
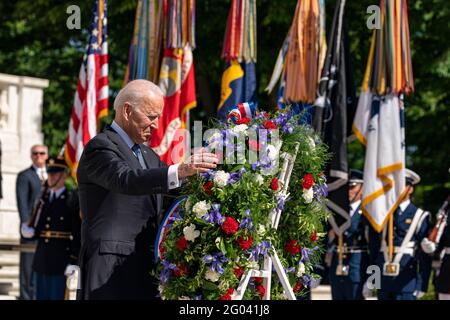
<point>443,279</point>
<point>355,239</point>
<point>61,215</point>
<point>414,269</point>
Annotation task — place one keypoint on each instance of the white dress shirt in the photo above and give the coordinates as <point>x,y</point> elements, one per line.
<point>41,172</point>
<point>353,207</point>
<point>172,173</point>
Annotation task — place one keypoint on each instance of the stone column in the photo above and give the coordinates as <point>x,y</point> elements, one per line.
<point>21,105</point>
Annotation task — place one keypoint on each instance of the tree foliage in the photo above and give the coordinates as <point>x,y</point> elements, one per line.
<point>35,41</point>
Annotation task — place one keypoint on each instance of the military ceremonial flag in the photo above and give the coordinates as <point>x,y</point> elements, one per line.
<point>379,122</point>
<point>176,80</point>
<point>301,57</point>
<point>239,50</point>
<point>333,115</point>
<point>91,96</point>
<point>146,44</point>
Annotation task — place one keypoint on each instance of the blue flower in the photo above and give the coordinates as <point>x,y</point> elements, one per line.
<point>247,221</point>
<point>214,216</point>
<point>216,260</point>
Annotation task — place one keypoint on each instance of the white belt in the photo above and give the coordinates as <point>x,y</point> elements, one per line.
<point>409,251</point>
<point>447,250</point>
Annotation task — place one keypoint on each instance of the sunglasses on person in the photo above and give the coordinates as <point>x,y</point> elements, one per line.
<point>41,153</point>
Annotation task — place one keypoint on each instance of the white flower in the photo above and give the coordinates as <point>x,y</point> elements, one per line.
<point>259,179</point>
<point>187,204</point>
<point>301,269</point>
<point>240,128</point>
<point>272,152</point>
<point>212,275</point>
<point>221,178</point>
<point>308,195</point>
<point>311,143</point>
<point>261,229</point>
<point>201,208</point>
<point>190,233</point>
<point>184,298</point>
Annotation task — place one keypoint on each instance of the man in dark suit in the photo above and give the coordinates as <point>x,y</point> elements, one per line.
<point>120,184</point>
<point>28,189</point>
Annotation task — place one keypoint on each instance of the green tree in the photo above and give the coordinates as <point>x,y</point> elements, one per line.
<point>34,41</point>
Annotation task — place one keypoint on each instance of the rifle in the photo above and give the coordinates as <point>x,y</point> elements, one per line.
<point>442,215</point>
<point>38,207</point>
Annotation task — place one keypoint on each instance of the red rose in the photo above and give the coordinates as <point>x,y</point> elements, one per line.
<point>207,187</point>
<point>254,145</point>
<point>314,236</point>
<point>180,271</point>
<point>269,124</point>
<point>258,280</point>
<point>308,181</point>
<point>274,184</point>
<point>245,243</point>
<point>226,296</point>
<point>238,272</point>
<point>261,290</point>
<point>162,250</point>
<point>292,247</point>
<point>244,120</point>
<point>230,291</point>
<point>182,243</point>
<point>230,226</point>
<point>297,287</point>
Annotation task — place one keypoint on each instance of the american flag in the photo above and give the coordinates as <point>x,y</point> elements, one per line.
<point>91,97</point>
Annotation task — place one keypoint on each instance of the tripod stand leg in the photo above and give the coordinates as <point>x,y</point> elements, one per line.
<point>282,276</point>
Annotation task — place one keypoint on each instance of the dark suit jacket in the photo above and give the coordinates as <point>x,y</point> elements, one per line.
<point>120,203</point>
<point>28,191</point>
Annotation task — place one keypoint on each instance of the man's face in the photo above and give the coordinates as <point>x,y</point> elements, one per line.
<point>56,179</point>
<point>143,119</point>
<point>355,192</point>
<point>39,156</point>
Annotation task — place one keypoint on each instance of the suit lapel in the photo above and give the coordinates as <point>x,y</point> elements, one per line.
<point>123,148</point>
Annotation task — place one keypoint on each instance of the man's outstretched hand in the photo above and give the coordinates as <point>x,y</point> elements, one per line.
<point>199,162</point>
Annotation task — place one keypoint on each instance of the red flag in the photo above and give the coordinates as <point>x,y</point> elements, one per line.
<point>177,82</point>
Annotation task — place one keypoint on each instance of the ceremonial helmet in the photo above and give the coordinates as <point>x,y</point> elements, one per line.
<point>56,165</point>
<point>411,178</point>
<point>356,177</point>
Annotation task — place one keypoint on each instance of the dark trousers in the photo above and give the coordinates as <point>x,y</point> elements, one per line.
<point>26,278</point>
<point>342,288</point>
<point>390,295</point>
<point>50,287</point>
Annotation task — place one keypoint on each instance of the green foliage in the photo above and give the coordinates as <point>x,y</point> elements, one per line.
<point>34,41</point>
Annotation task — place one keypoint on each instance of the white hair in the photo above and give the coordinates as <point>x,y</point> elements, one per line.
<point>135,92</point>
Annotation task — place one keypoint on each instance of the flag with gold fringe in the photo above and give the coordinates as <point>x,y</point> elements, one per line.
<point>379,121</point>
<point>176,80</point>
<point>300,60</point>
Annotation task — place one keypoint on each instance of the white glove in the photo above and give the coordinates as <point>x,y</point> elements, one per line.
<point>71,270</point>
<point>428,246</point>
<point>366,291</point>
<point>26,231</point>
<point>419,294</point>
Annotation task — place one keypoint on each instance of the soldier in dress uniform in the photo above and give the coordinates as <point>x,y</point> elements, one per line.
<point>57,227</point>
<point>350,254</point>
<point>405,267</point>
<point>439,242</point>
